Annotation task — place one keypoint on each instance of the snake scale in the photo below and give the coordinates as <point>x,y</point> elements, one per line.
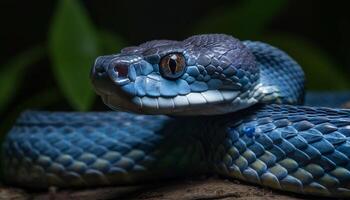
<point>207,104</point>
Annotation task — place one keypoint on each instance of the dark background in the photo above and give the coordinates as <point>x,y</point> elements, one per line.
<point>324,23</point>
<point>315,33</point>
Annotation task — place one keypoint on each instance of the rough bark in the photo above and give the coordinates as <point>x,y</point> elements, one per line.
<point>195,189</point>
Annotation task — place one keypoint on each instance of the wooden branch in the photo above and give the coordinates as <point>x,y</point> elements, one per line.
<point>212,188</point>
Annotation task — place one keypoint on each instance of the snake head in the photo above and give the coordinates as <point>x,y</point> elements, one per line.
<point>201,75</point>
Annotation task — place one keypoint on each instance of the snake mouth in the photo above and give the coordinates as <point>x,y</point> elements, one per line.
<point>203,103</point>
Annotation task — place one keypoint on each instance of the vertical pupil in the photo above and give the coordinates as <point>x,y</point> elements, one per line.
<point>172,65</point>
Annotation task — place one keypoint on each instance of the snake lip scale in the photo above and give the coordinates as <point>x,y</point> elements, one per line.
<point>207,104</point>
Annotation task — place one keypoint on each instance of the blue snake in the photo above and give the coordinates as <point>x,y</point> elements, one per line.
<point>207,104</point>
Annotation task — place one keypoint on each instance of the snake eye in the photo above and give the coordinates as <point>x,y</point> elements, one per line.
<point>172,66</point>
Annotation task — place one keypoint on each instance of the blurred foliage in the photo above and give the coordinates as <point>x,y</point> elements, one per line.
<point>245,20</point>
<point>12,73</point>
<point>74,42</point>
<point>320,69</point>
<point>110,42</point>
<point>73,47</point>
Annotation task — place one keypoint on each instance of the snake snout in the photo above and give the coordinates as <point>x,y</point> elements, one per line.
<point>107,73</point>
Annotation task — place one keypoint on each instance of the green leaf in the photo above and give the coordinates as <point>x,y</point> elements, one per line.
<point>73,48</point>
<point>13,71</point>
<point>110,43</point>
<point>247,19</point>
<point>322,72</point>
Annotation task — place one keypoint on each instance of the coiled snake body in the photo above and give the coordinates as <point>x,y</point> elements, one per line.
<point>231,112</point>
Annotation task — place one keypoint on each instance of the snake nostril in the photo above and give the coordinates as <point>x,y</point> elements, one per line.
<point>121,69</point>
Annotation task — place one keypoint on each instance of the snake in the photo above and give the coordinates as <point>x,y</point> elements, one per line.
<point>209,104</point>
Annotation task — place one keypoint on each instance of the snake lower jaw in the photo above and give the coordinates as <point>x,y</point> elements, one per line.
<point>206,103</point>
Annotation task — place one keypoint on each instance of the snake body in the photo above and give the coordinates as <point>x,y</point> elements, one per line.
<point>231,112</point>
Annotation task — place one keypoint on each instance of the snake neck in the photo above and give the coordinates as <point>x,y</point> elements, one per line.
<point>208,133</point>
<point>281,78</point>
